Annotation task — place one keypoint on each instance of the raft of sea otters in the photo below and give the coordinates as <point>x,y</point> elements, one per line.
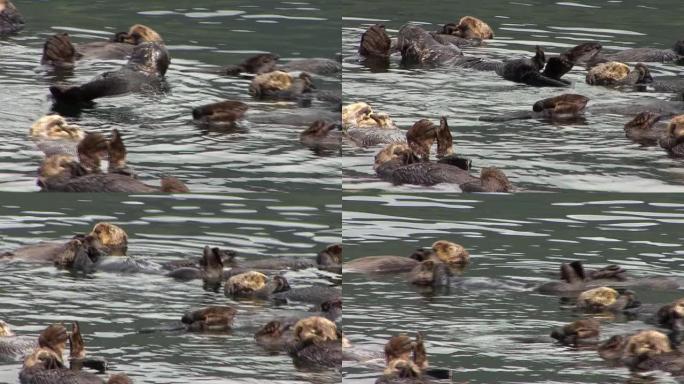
<point>72,156</point>
<point>313,341</point>
<point>594,295</point>
<point>406,158</point>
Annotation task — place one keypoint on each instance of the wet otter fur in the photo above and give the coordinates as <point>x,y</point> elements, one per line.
<point>442,251</point>
<point>316,343</point>
<point>58,50</point>
<point>14,347</point>
<point>11,20</point>
<point>671,316</point>
<point>281,85</point>
<point>616,73</point>
<point>422,135</point>
<point>257,64</point>
<point>322,135</point>
<point>54,135</point>
<point>470,27</point>
<point>253,284</point>
<point>673,141</point>
<point>109,238</point>
<point>375,42</point>
<point>213,318</point>
<point>223,112</point>
<point>144,71</point>
<point>579,332</point>
<point>642,129</point>
<point>604,299</point>
<point>209,268</point>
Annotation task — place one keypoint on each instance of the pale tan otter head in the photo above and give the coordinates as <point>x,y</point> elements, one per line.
<point>470,27</point>
<point>450,253</point>
<point>271,81</point>
<point>111,238</point>
<point>494,180</point>
<point>5,329</point>
<point>315,329</point>
<point>139,33</point>
<point>55,127</point>
<point>647,344</point>
<point>402,368</point>
<point>608,73</point>
<point>390,152</point>
<point>597,298</point>
<point>247,282</point>
<point>6,4</point>
<point>676,127</point>
<point>55,165</point>
<point>361,115</point>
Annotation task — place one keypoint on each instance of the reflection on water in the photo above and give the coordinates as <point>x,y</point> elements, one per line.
<point>158,130</point>
<point>535,154</point>
<point>112,307</point>
<point>495,328</point>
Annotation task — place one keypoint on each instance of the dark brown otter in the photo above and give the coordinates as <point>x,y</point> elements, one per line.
<point>144,71</point>
<point>11,20</point>
<point>209,268</point>
<point>673,141</point>
<point>375,42</point>
<point>643,129</point>
<point>60,52</point>
<point>423,133</point>
<point>429,273</point>
<point>561,107</point>
<point>644,55</point>
<point>223,112</point>
<point>671,316</point>
<point>257,64</point>
<point>214,318</point>
<point>579,332</point>
<point>322,135</point>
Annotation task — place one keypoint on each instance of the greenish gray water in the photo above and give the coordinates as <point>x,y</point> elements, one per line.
<point>535,154</point>
<point>494,327</point>
<point>112,307</point>
<point>158,130</point>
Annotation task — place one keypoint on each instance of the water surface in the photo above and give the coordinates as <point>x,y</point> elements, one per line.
<point>535,154</point>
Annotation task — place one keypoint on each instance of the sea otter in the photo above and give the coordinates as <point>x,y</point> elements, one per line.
<point>11,20</point>
<point>213,318</point>
<point>671,316</point>
<point>643,129</point>
<point>253,284</point>
<point>646,350</point>
<point>13,347</point>
<point>54,135</point>
<point>442,251</point>
<point>268,62</point>
<point>60,52</point>
<point>279,85</point>
<point>209,268</point>
<point>406,362</point>
<point>316,344</point>
<point>429,273</point>
<point>144,72</point>
<point>322,135</point>
<point>329,258</point>
<point>365,127</point>
<point>605,299</point>
<point>579,332</point>
<point>423,133</point>
<point>575,279</point>
<point>645,55</point>
<point>62,173</point>
<point>616,73</point>
<point>673,140</point>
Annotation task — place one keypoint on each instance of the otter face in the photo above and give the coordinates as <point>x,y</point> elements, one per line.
<point>139,34</point>
<point>676,128</point>
<point>390,152</point>
<point>307,82</point>
<point>608,73</point>
<point>333,307</point>
<point>473,28</point>
<point>280,284</point>
<point>399,347</point>
<point>246,284</point>
<point>270,82</point>
<point>646,344</point>
<point>361,115</point>
<point>55,127</point>
<point>375,42</point>
<point>576,331</point>
<point>54,337</point>
<point>261,63</point>
<point>643,121</point>
<point>209,318</point>
<point>450,253</point>
<point>494,180</point>
<point>597,299</point>
<point>109,237</point>
<point>315,330</point>
<point>331,255</point>
<point>5,330</point>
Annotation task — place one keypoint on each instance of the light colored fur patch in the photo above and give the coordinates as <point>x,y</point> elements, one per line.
<point>601,296</point>
<point>389,152</point>
<point>611,71</point>
<point>273,81</point>
<point>316,329</point>
<point>147,33</point>
<point>476,28</point>
<point>54,165</point>
<point>251,280</point>
<point>451,253</point>
<point>647,343</point>
<point>5,330</point>
<point>109,234</point>
<point>55,127</point>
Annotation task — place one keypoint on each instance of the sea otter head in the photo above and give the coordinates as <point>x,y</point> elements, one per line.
<point>270,81</point>
<point>642,74</point>
<point>361,115</point>
<point>375,42</point>
<point>246,284</point>
<point>576,331</point>
<point>54,338</point>
<point>150,57</point>
<point>55,127</point>
<point>672,315</point>
<point>315,329</point>
<point>331,255</point>
<point>494,180</point>
<point>138,34</point>
<point>450,253</point>
<point>212,263</point>
<point>613,348</point>
<point>109,238</point>
<point>399,347</point>
<point>473,28</point>
<point>402,369</point>
<point>5,329</point>
<point>272,330</point>
<point>597,299</point>
<point>643,121</point>
<point>607,73</point>
<point>645,345</point>
<point>676,128</point>
<point>395,151</point>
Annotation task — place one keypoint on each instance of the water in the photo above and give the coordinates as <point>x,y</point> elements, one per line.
<point>112,307</point>
<point>515,241</point>
<point>158,130</point>
<point>536,155</point>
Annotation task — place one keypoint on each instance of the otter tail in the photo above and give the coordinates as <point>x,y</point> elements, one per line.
<point>59,51</point>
